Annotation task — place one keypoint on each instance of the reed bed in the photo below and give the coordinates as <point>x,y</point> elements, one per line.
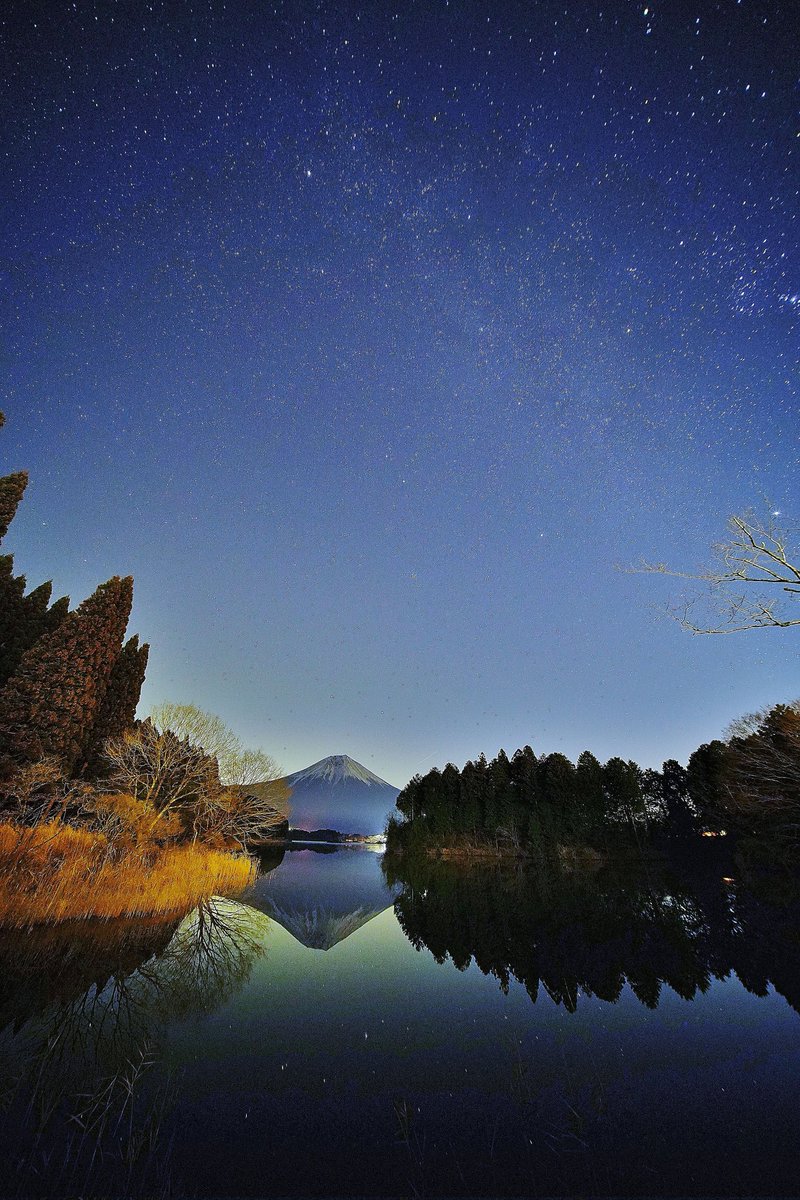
<point>54,872</point>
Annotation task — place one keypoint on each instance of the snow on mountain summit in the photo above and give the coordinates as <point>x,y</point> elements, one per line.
<point>336,769</point>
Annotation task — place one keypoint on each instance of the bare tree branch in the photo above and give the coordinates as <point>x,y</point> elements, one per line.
<point>754,554</point>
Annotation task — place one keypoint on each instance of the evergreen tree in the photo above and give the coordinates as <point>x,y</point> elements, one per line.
<point>409,801</point>
<point>502,794</point>
<point>679,816</point>
<point>523,776</point>
<point>481,781</point>
<point>12,595</point>
<point>48,707</point>
<point>451,797</point>
<point>24,619</point>
<point>623,792</point>
<point>21,624</point>
<point>432,799</point>
<point>706,777</point>
<point>117,713</point>
<point>559,792</point>
<point>524,766</point>
<point>589,775</point>
<point>469,800</point>
<point>12,488</point>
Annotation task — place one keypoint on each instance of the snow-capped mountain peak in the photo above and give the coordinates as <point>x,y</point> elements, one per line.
<point>337,768</point>
<point>339,793</point>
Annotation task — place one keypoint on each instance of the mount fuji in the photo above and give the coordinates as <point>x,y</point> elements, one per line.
<point>339,793</point>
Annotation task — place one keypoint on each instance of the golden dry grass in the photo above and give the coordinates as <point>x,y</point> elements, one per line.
<point>56,873</point>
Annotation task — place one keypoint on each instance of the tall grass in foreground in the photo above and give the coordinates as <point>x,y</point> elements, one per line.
<point>54,872</point>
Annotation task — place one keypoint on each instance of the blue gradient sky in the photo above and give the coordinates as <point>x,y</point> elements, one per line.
<point>370,337</point>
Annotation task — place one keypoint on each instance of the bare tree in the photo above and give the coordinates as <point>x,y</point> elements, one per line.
<point>752,564</point>
<point>193,725</point>
<point>161,770</point>
<point>34,793</point>
<point>236,815</point>
<point>751,723</point>
<point>243,767</point>
<point>764,771</point>
<point>169,777</point>
<point>238,765</point>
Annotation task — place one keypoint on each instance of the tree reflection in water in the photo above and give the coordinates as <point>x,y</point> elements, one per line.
<point>593,932</point>
<point>83,1010</point>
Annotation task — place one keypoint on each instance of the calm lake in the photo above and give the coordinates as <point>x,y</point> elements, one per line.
<point>344,1030</point>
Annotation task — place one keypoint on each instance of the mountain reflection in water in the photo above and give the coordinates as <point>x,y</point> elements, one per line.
<point>318,903</point>
<point>484,1030</point>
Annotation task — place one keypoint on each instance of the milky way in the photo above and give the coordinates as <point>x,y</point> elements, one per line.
<point>370,338</point>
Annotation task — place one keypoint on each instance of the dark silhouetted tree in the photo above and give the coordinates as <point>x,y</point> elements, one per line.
<point>589,778</point>
<point>680,819</point>
<point>623,791</point>
<point>49,706</point>
<point>470,816</point>
<point>652,788</point>
<point>117,713</point>
<point>707,779</point>
<point>12,488</point>
<point>24,619</point>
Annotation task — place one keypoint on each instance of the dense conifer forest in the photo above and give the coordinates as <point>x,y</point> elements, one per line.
<point>747,787</point>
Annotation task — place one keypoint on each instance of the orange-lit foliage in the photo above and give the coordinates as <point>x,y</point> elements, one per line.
<point>54,872</point>
<point>128,823</point>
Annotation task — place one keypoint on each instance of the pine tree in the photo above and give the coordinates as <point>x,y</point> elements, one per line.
<point>680,819</point>
<point>558,787</point>
<point>12,488</point>
<point>21,623</point>
<point>49,705</point>
<point>623,791</point>
<point>590,789</point>
<point>117,713</point>
<point>707,777</point>
<point>24,620</point>
<point>469,805</point>
<point>12,593</point>
<point>11,491</point>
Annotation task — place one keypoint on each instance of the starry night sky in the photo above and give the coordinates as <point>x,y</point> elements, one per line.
<point>370,337</point>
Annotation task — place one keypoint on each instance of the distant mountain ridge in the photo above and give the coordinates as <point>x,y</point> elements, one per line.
<point>339,793</point>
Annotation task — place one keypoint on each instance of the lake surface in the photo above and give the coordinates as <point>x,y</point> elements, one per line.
<point>344,1030</point>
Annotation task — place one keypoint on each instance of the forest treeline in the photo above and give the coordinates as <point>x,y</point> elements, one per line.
<point>102,814</point>
<point>747,786</point>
